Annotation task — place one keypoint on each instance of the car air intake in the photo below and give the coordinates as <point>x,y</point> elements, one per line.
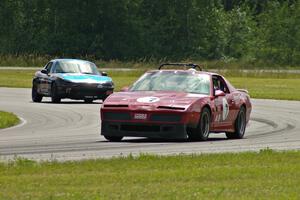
<point>165,118</point>
<point>116,116</point>
<point>116,106</point>
<point>170,108</point>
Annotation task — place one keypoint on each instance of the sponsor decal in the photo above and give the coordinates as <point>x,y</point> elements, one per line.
<point>140,116</point>
<point>148,99</point>
<point>225,109</point>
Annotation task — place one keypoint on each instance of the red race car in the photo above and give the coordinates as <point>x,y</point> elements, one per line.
<point>176,104</point>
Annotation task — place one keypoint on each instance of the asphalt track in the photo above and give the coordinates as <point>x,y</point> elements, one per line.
<point>70,131</point>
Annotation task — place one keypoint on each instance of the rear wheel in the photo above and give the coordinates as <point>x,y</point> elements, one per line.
<point>54,95</point>
<point>240,125</point>
<point>113,138</point>
<point>201,133</point>
<point>36,97</point>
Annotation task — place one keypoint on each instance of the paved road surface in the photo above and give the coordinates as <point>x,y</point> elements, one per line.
<point>70,131</point>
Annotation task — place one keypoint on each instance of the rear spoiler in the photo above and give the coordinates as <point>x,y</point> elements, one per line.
<point>243,90</point>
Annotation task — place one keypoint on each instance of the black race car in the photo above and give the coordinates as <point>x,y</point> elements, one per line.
<point>73,79</point>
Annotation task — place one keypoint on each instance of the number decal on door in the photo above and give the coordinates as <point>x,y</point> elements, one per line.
<point>225,109</point>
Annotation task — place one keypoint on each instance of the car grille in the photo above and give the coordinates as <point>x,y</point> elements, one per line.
<point>93,85</point>
<point>165,118</point>
<point>116,116</point>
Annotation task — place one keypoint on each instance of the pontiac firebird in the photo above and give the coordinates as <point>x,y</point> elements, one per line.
<point>176,104</point>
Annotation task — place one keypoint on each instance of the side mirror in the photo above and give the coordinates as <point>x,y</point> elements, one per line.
<point>124,89</point>
<point>219,93</point>
<point>103,74</point>
<point>44,71</point>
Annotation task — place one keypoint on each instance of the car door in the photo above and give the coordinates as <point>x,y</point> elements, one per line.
<point>45,80</point>
<point>224,105</point>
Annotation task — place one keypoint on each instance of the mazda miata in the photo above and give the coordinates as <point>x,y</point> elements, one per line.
<point>73,79</point>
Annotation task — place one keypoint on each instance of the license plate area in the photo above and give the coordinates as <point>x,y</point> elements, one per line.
<point>90,97</point>
<point>140,116</point>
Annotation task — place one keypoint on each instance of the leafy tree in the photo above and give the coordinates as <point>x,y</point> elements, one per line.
<point>266,30</point>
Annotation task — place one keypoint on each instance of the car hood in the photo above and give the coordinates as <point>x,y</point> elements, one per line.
<point>153,99</point>
<point>84,78</point>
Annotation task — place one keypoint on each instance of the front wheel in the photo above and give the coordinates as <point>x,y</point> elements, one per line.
<point>240,125</point>
<point>113,138</point>
<point>54,94</point>
<point>202,131</point>
<point>36,97</point>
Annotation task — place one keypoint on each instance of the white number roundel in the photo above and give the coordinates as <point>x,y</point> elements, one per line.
<point>148,99</point>
<point>225,109</point>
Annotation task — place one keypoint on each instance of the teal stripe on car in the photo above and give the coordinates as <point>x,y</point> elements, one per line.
<point>85,77</point>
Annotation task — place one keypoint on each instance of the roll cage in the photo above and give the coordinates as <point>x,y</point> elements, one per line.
<point>190,65</point>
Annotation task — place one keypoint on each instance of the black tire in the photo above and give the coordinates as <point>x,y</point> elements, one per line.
<point>239,125</point>
<point>36,97</point>
<point>113,138</point>
<point>201,133</point>
<point>88,100</point>
<point>54,96</point>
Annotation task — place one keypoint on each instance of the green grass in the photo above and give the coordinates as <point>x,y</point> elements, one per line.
<point>269,88</point>
<point>264,175</point>
<point>266,85</point>
<point>16,78</point>
<point>8,120</point>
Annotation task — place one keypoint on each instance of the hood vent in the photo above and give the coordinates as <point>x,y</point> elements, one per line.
<point>170,108</point>
<point>116,106</point>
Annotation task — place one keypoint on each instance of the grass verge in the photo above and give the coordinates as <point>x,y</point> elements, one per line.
<point>8,119</point>
<point>268,85</point>
<point>263,175</point>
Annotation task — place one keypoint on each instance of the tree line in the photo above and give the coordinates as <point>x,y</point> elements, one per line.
<point>250,30</point>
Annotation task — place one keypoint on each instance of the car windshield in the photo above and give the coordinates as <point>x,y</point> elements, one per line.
<point>180,81</point>
<point>76,67</point>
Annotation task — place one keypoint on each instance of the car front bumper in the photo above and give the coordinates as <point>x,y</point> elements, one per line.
<point>84,91</point>
<point>155,130</point>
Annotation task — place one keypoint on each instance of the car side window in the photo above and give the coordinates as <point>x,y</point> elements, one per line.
<point>57,68</point>
<point>219,84</point>
<point>48,67</point>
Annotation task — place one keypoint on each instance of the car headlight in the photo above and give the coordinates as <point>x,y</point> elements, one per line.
<point>112,84</point>
<point>109,84</point>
